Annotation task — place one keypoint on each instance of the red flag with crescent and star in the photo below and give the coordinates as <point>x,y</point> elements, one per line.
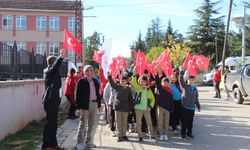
<point>98,56</point>
<point>70,42</point>
<point>190,65</point>
<point>201,62</point>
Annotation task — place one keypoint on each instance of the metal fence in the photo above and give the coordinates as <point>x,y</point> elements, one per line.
<point>23,64</point>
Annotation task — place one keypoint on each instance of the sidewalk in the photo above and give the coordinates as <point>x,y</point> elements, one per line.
<point>103,138</point>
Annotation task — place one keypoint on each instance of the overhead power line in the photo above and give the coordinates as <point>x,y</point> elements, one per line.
<point>132,4</point>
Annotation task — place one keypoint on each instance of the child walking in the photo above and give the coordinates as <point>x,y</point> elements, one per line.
<point>122,105</point>
<point>189,100</point>
<point>144,105</point>
<point>176,94</point>
<point>165,106</point>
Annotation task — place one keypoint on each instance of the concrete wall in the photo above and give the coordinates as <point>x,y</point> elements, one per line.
<point>20,103</point>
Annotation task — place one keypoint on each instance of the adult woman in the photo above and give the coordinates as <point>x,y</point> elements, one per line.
<point>69,92</point>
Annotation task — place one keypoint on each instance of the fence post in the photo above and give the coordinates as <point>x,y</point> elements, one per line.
<point>14,61</point>
<point>32,64</point>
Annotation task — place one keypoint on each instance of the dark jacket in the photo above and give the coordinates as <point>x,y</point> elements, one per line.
<point>191,97</point>
<point>53,81</point>
<point>124,97</point>
<point>165,99</point>
<point>83,93</point>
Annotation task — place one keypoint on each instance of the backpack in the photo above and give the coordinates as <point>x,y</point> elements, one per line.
<point>137,97</point>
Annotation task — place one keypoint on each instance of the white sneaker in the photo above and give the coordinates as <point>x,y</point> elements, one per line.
<point>178,127</point>
<point>114,134</point>
<point>80,146</point>
<point>153,139</point>
<point>90,145</point>
<point>161,137</point>
<point>165,137</point>
<point>170,128</point>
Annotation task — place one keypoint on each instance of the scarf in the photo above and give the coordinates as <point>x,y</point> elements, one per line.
<point>168,89</point>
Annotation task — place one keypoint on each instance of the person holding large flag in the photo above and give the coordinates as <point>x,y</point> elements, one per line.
<point>51,100</point>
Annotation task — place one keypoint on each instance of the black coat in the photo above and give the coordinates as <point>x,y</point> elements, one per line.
<point>83,93</point>
<point>53,81</point>
<point>124,97</point>
<point>165,99</point>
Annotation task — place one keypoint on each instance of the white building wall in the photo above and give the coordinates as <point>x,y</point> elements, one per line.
<point>20,103</point>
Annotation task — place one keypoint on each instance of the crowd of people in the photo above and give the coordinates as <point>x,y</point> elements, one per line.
<point>152,104</point>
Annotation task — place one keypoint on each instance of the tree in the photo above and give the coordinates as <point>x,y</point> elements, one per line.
<point>235,39</point>
<point>171,36</point>
<point>202,33</point>
<point>178,53</point>
<point>93,43</point>
<point>139,44</point>
<point>154,52</point>
<point>154,34</point>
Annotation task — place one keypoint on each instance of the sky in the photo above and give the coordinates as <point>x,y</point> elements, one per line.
<point>122,20</point>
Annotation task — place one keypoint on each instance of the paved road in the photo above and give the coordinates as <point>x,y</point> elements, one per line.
<point>221,125</point>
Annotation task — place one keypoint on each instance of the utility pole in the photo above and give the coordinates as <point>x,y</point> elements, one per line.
<point>225,47</point>
<point>216,48</point>
<point>244,36</point>
<point>78,23</point>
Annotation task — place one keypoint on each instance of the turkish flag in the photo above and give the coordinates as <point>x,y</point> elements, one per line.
<point>114,68</point>
<point>70,42</point>
<point>98,56</point>
<point>153,65</point>
<point>190,65</point>
<point>122,62</point>
<point>165,64</point>
<point>140,62</point>
<point>202,62</point>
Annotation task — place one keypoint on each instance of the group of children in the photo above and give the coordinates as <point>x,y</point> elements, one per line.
<point>139,100</point>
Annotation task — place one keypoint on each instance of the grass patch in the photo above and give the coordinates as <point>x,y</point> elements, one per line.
<point>31,136</point>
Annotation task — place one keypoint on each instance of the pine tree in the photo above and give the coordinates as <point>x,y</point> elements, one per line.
<point>154,34</point>
<point>202,33</point>
<point>139,44</point>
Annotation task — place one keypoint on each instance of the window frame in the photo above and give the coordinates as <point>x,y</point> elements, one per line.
<point>21,23</point>
<point>21,45</point>
<point>9,18</point>
<point>52,23</point>
<point>39,23</point>
<point>71,24</point>
<point>41,48</point>
<point>53,45</point>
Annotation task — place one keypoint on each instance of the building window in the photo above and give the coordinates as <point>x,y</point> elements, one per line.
<point>54,49</point>
<point>54,23</point>
<point>71,24</point>
<point>7,22</point>
<point>21,45</point>
<point>41,23</point>
<point>41,48</point>
<point>21,22</point>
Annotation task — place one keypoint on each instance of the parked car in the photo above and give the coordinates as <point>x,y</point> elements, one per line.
<point>231,62</point>
<point>238,82</point>
<point>208,78</point>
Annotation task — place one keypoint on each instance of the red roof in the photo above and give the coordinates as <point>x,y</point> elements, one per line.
<point>38,4</point>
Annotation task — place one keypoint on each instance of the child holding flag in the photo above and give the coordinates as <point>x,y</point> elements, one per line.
<point>165,105</point>
<point>144,103</point>
<point>188,102</point>
<point>122,105</point>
